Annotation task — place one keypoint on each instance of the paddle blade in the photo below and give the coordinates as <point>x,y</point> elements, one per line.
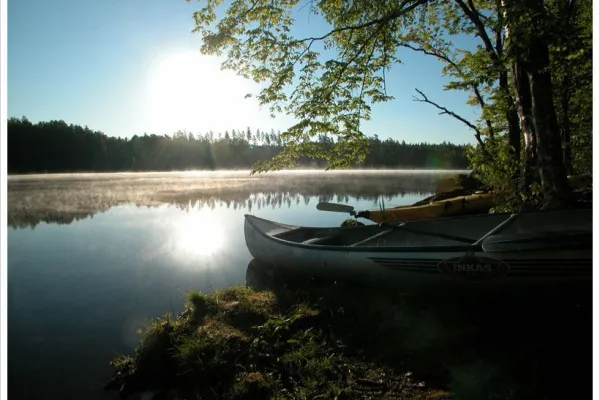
<point>335,207</point>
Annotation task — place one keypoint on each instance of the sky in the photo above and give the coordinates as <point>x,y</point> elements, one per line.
<point>129,67</point>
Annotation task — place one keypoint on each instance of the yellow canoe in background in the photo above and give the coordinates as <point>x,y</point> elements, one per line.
<point>580,181</point>
<point>461,205</point>
<point>471,204</point>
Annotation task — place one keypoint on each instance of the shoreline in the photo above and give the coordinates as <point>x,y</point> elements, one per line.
<point>244,170</point>
<point>320,339</point>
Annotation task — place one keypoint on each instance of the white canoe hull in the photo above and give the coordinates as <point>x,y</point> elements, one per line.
<point>443,262</point>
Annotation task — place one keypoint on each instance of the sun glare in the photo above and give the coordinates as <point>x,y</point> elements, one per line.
<point>189,91</point>
<point>198,234</point>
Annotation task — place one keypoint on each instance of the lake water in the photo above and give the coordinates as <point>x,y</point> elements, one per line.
<point>93,257</point>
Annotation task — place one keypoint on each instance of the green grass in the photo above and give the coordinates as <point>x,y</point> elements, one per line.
<point>239,343</point>
<point>320,340</point>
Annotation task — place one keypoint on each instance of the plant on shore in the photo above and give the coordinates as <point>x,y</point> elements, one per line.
<point>242,344</point>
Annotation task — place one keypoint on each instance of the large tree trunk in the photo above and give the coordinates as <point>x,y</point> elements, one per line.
<point>512,117</point>
<point>520,85</point>
<point>549,150</point>
<point>519,112</point>
<point>533,88</point>
<point>523,95</point>
<point>565,122</point>
<point>569,10</point>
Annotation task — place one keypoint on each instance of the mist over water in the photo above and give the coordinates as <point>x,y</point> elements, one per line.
<point>93,257</point>
<point>63,198</point>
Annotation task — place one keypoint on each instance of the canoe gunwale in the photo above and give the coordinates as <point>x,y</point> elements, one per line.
<point>471,245</point>
<point>360,249</point>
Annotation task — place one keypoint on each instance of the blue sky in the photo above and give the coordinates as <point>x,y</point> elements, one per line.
<point>127,67</point>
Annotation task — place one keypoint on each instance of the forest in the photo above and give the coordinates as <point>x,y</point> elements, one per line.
<point>56,146</point>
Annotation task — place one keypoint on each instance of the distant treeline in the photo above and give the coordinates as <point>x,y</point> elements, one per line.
<point>56,146</point>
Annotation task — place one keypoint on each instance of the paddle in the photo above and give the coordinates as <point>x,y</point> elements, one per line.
<point>336,208</point>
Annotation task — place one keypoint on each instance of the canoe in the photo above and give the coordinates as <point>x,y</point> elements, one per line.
<point>547,247</point>
<point>478,203</point>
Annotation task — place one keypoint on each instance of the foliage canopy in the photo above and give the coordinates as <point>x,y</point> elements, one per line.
<point>521,74</point>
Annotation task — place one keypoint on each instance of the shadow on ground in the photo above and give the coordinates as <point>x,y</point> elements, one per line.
<point>521,343</point>
<point>288,336</point>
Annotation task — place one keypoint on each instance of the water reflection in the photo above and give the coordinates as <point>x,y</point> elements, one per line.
<point>63,199</point>
<point>201,234</point>
<point>78,293</point>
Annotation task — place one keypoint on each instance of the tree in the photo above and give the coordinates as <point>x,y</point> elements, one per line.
<point>571,66</point>
<point>331,92</point>
<point>248,135</point>
<point>57,147</point>
<point>529,30</point>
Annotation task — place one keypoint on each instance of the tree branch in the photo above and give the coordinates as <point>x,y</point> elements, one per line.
<point>385,61</point>
<point>483,105</point>
<point>383,20</point>
<point>444,110</point>
<point>472,14</point>
<point>308,3</point>
<point>498,30</point>
<point>454,65</point>
<point>483,17</point>
<point>362,88</point>
<point>441,56</point>
<point>345,65</point>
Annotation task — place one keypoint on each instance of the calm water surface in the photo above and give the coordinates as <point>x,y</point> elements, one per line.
<point>91,258</point>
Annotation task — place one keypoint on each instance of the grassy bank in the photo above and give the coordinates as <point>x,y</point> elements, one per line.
<point>329,340</point>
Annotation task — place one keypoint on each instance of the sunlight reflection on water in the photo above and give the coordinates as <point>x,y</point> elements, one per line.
<point>199,233</point>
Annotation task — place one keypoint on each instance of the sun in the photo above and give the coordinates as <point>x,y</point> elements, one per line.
<point>186,90</point>
<point>198,235</point>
